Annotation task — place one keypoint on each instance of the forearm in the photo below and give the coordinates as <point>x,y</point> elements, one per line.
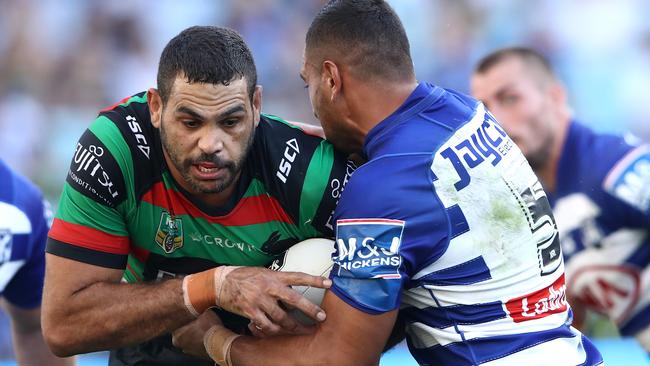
<point>281,351</point>
<point>347,337</point>
<point>107,315</point>
<point>298,351</point>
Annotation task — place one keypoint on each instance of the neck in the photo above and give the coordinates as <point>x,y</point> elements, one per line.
<point>371,103</point>
<point>548,173</point>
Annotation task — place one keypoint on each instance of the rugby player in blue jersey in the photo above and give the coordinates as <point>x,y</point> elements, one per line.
<point>598,186</point>
<point>24,222</point>
<point>446,222</point>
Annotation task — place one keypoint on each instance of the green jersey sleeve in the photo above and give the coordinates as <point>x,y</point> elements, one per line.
<point>89,225</point>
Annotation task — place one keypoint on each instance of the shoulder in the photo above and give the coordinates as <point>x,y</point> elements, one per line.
<point>610,167</point>
<point>129,122</point>
<point>21,201</point>
<point>595,154</point>
<point>388,185</point>
<point>629,178</point>
<point>284,151</point>
<point>454,109</point>
<point>273,129</point>
<point>303,171</point>
<point>119,147</point>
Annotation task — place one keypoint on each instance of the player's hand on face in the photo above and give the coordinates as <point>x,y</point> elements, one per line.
<point>189,338</point>
<point>256,293</point>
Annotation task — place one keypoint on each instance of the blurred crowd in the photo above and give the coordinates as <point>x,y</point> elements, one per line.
<point>62,61</point>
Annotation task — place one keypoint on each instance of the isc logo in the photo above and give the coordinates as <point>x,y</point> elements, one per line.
<point>290,152</point>
<point>139,137</point>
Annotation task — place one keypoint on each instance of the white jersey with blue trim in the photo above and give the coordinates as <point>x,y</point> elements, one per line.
<point>602,205</point>
<point>448,222</point>
<point>24,221</point>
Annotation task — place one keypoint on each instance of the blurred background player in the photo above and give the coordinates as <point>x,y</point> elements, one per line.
<point>171,190</point>
<point>598,185</point>
<point>446,223</point>
<point>24,221</point>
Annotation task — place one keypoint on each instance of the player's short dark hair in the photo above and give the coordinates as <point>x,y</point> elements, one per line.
<point>206,54</point>
<point>366,34</point>
<point>525,54</point>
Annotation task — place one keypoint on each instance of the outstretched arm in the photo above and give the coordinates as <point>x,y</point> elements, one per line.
<point>86,308</point>
<point>347,337</point>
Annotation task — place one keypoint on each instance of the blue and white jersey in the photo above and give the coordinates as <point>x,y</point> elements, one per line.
<point>602,207</point>
<point>448,222</point>
<point>24,223</point>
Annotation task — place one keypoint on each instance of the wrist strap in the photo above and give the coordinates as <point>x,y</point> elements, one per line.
<point>218,342</point>
<point>202,290</point>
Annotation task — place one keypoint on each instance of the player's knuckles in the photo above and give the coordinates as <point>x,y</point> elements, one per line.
<point>289,324</point>
<point>272,329</point>
<point>307,307</point>
<point>290,296</point>
<point>278,315</point>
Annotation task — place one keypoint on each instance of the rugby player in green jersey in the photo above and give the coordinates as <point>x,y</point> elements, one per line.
<point>167,193</point>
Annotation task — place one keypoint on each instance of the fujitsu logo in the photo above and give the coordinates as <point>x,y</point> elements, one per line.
<point>539,304</point>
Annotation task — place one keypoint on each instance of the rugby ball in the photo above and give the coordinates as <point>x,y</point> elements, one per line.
<point>311,256</point>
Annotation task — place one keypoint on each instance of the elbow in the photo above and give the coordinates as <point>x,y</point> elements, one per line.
<point>59,346</point>
<point>59,341</point>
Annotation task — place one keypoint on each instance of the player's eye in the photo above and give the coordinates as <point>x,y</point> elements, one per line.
<point>230,122</point>
<point>191,123</point>
<point>509,99</point>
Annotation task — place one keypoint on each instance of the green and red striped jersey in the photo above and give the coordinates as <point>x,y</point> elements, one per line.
<point>121,208</point>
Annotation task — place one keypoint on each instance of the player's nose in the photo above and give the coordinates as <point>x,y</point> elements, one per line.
<point>211,141</point>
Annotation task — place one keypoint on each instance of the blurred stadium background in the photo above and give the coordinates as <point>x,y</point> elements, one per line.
<point>63,60</point>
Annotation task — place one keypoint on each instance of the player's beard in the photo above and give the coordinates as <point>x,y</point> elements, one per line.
<point>539,158</point>
<point>183,166</point>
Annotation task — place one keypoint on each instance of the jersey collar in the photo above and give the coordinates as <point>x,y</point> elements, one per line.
<point>424,95</point>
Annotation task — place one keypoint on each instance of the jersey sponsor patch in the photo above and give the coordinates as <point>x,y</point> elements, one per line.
<point>369,248</point>
<point>367,262</point>
<point>539,304</point>
<point>95,173</point>
<point>629,180</point>
<point>489,142</point>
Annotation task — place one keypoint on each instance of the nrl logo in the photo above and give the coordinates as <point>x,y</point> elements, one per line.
<point>170,233</point>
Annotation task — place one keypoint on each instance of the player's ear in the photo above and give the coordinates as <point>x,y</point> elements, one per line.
<point>257,104</point>
<point>331,78</point>
<point>558,93</point>
<point>155,106</point>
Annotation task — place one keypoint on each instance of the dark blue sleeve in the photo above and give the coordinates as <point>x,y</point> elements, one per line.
<point>26,287</point>
<point>628,182</point>
<point>389,224</point>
